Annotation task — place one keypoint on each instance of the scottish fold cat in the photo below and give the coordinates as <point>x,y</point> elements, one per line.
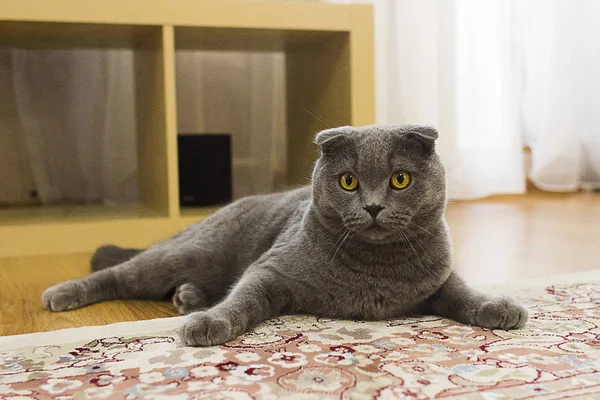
<point>367,240</point>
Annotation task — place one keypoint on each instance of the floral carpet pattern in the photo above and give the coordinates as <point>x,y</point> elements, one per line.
<point>557,355</point>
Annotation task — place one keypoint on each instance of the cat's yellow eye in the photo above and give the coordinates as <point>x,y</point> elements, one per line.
<point>400,180</point>
<point>348,181</point>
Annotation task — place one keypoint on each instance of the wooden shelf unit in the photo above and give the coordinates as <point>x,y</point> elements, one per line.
<point>329,71</point>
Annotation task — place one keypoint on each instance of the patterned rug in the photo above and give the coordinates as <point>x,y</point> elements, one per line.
<point>557,355</point>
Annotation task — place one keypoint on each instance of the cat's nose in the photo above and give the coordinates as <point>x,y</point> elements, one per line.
<point>373,209</point>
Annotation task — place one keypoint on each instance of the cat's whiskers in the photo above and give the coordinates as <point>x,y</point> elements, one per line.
<point>349,240</point>
<point>454,238</point>
<point>320,119</point>
<point>344,232</point>
<point>423,247</point>
<point>334,254</point>
<point>413,249</point>
<point>403,245</point>
<point>421,228</point>
<point>428,214</point>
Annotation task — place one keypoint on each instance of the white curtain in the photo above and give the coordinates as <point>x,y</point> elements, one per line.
<point>494,76</point>
<point>68,127</point>
<point>16,179</point>
<point>68,130</point>
<point>447,64</point>
<point>560,66</point>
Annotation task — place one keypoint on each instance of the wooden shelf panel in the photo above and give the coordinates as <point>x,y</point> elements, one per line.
<point>254,14</point>
<point>53,35</point>
<point>157,122</point>
<point>238,39</point>
<point>198,213</point>
<point>59,230</point>
<point>85,236</point>
<point>68,214</point>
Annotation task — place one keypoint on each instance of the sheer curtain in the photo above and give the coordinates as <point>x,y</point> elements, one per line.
<point>560,91</point>
<point>69,125</point>
<point>447,64</point>
<point>15,172</point>
<point>68,130</point>
<point>494,76</point>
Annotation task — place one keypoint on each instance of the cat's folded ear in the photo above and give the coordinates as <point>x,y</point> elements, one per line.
<point>332,138</point>
<point>422,136</point>
<point>424,132</point>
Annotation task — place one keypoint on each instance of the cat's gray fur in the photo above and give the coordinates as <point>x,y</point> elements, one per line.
<point>312,250</point>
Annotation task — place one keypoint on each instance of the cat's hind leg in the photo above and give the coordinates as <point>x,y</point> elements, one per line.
<point>151,275</point>
<point>109,255</point>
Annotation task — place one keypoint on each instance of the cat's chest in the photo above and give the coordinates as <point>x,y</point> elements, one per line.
<point>357,295</point>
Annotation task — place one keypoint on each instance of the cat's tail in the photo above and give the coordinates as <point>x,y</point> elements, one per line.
<point>109,256</point>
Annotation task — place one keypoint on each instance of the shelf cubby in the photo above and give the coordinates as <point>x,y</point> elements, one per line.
<point>147,44</point>
<point>329,71</point>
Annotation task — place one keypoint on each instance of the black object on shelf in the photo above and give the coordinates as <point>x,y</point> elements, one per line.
<point>204,169</point>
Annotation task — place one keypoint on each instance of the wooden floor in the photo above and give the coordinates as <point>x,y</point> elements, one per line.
<point>504,239</point>
<point>500,239</point>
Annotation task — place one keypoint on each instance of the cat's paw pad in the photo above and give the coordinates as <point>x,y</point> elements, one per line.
<point>188,298</point>
<point>203,329</point>
<point>501,313</point>
<point>64,296</point>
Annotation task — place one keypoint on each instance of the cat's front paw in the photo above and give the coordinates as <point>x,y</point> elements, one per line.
<point>205,329</point>
<point>501,313</point>
<point>64,296</point>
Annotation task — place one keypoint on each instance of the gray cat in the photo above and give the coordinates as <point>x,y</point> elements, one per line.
<point>367,241</point>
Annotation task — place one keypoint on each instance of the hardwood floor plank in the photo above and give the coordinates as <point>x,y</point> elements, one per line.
<point>25,278</point>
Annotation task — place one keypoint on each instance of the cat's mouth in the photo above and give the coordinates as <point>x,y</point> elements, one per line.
<point>376,233</point>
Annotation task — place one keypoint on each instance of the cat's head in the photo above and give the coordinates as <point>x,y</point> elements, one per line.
<point>377,181</point>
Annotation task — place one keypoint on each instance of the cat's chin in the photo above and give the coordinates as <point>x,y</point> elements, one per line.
<point>375,234</point>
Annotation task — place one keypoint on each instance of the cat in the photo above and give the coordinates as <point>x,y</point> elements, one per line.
<point>367,240</point>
